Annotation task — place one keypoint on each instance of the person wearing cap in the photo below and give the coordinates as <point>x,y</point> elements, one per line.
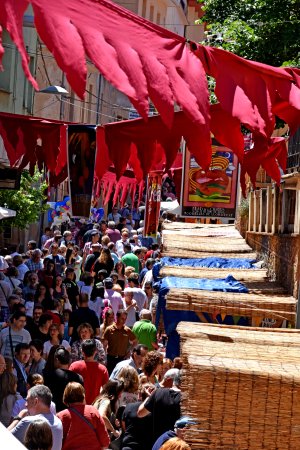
<point>145,331</point>
<point>87,249</point>
<point>179,431</point>
<point>114,298</point>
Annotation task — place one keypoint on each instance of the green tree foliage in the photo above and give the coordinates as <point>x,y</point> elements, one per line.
<point>28,202</point>
<point>260,30</point>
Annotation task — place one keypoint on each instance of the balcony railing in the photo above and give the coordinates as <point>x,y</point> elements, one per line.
<point>276,210</point>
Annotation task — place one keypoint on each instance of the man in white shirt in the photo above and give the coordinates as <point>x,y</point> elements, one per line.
<point>120,244</point>
<point>38,404</point>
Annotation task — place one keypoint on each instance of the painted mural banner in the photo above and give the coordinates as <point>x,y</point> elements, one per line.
<point>212,193</point>
<point>81,164</point>
<point>153,199</point>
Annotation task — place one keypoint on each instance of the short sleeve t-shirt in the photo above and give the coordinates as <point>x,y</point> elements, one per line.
<point>94,376</point>
<point>164,405</point>
<point>17,337</point>
<point>145,333</point>
<point>136,429</point>
<point>118,340</point>
<point>131,260</point>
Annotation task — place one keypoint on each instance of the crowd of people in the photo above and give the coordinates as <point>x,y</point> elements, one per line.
<point>81,360</point>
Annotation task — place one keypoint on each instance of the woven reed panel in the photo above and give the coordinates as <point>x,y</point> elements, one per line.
<point>236,304</point>
<point>192,253</point>
<point>205,245</point>
<point>245,394</point>
<point>213,273</point>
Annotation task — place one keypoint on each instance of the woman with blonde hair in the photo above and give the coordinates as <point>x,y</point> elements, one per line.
<point>104,261</point>
<point>83,427</point>
<point>175,443</point>
<point>85,331</point>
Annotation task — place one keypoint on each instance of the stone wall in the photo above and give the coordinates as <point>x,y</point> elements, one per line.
<point>282,256</point>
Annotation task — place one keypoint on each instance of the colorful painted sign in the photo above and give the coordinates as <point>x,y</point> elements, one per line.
<point>81,164</point>
<point>212,193</point>
<point>153,199</point>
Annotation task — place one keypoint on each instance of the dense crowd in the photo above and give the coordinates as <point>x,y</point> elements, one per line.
<point>80,354</point>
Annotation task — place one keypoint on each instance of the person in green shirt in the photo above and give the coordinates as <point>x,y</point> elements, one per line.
<point>145,331</point>
<point>129,259</point>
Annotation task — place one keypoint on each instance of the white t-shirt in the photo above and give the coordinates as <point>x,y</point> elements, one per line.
<point>131,316</point>
<point>98,305</point>
<point>48,345</point>
<point>115,300</point>
<point>20,405</point>
<point>140,297</point>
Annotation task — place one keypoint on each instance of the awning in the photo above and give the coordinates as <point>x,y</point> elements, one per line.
<point>6,213</point>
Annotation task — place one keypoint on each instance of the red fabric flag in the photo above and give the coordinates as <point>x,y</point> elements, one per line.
<point>138,57</point>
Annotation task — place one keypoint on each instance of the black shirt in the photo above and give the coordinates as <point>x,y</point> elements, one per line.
<point>90,261</point>
<point>57,382</point>
<point>72,291</point>
<point>82,315</point>
<point>37,334</point>
<point>137,434</point>
<point>164,404</point>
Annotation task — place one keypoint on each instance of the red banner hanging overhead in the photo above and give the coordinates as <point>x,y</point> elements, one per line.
<point>153,199</point>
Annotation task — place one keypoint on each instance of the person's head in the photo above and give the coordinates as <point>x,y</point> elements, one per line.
<point>8,385</point>
<point>114,276</point>
<point>128,295</point>
<point>96,248</point>
<point>95,236</point>
<point>54,332</point>
<point>104,242</point>
<point>151,364</point>
<point>150,263</point>
<point>69,273</point>
<point>125,237</point>
<point>121,317</point>
<point>182,424</point>
<point>37,312</point>
<point>2,364</point>
<point>73,393</point>
<point>47,231</point>
<point>177,363</point>
<point>120,268</point>
<point>12,272</point>
<point>34,379</point>
<point>22,353</point>
<point>45,321</point>
<point>67,235</point>
<point>85,331</point>
<point>50,265</point>
<point>31,245</point>
<point>36,255</point>
<point>127,248</point>
<point>54,249</point>
<point>108,317</point>
<point>18,320</point>
<point>111,390</point>
<point>58,280</point>
<point>83,299</point>
<point>38,400</point>
<point>38,436</point>
<point>175,443</point>
<point>111,224</point>
<point>128,271</point>
<point>133,281</point>
<point>145,314</point>
<point>148,288</point>
<point>33,279</point>
<point>17,260</point>
<point>103,226</point>
<point>62,357</point>
<point>12,301</point>
<point>19,307</point>
<point>130,378</point>
<point>88,280</point>
<point>138,354</point>
<point>36,349</point>
<point>108,283</point>
<point>89,348</point>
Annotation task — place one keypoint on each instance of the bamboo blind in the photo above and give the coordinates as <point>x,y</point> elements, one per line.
<point>213,273</point>
<point>241,386</point>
